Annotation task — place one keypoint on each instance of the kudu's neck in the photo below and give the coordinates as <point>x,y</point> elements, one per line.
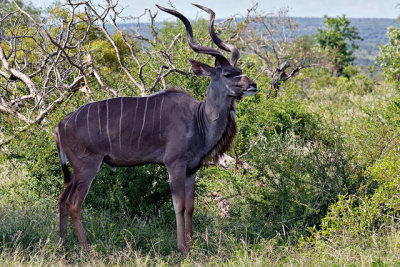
<point>218,120</point>
<point>217,105</point>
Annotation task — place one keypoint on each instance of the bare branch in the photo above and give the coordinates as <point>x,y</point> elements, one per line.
<point>99,79</point>
<point>43,64</point>
<point>271,38</point>
<point>50,38</point>
<point>153,31</point>
<point>101,19</point>
<point>19,75</point>
<point>130,46</point>
<point>8,110</point>
<point>71,88</point>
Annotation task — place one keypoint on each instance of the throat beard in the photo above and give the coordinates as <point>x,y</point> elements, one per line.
<point>227,139</point>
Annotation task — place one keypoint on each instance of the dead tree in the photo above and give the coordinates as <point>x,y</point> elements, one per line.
<point>272,38</point>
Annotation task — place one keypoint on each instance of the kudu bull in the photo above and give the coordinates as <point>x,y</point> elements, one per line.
<point>168,127</point>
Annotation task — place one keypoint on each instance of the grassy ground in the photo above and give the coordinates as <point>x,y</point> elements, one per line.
<point>29,223</point>
<point>29,236</point>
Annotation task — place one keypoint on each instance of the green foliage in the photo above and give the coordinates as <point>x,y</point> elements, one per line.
<point>137,191</point>
<point>338,38</point>
<point>7,6</point>
<point>299,172</point>
<point>36,149</point>
<point>364,213</point>
<point>389,58</point>
<point>295,165</point>
<point>104,53</point>
<point>360,217</point>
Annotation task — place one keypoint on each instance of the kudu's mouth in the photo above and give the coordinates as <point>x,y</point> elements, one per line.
<point>251,91</point>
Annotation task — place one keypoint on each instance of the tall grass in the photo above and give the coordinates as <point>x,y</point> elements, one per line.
<point>29,237</point>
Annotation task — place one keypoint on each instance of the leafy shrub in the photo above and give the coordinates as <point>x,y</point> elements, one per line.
<point>297,179</point>
<point>297,164</point>
<point>388,57</point>
<point>36,149</point>
<point>140,190</point>
<point>363,216</point>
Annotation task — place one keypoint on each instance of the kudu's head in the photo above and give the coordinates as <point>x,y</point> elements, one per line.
<point>225,76</point>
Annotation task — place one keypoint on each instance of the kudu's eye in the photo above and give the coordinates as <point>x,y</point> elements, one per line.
<point>228,75</point>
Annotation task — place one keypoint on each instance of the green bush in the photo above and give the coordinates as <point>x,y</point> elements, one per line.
<point>142,190</point>
<point>361,217</point>
<point>297,179</point>
<point>36,149</point>
<point>388,57</point>
<point>296,164</point>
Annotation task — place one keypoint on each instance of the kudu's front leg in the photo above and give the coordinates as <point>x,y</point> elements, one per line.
<point>189,208</point>
<point>177,177</point>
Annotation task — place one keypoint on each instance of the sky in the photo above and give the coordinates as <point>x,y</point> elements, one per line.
<point>297,8</point>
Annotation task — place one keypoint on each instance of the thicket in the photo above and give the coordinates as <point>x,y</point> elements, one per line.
<point>315,163</point>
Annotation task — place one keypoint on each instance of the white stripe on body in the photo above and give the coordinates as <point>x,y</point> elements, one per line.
<point>87,124</point>
<point>154,113</point>
<point>134,118</point>
<point>120,124</point>
<point>161,106</point>
<point>144,120</point>
<point>72,115</point>
<point>98,115</point>
<point>77,114</point>
<point>108,131</point>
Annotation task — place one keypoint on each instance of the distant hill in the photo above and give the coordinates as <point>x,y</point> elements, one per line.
<point>372,30</point>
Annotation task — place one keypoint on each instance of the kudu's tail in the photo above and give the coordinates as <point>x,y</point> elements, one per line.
<point>63,158</point>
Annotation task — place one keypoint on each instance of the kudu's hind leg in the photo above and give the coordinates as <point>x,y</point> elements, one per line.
<point>64,215</point>
<point>83,178</point>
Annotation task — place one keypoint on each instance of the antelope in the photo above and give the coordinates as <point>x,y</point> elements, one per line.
<point>168,127</point>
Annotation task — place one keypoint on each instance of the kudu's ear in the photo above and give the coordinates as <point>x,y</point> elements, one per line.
<point>201,69</point>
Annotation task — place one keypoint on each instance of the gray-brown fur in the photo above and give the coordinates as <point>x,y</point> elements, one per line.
<point>226,141</point>
<point>169,128</point>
